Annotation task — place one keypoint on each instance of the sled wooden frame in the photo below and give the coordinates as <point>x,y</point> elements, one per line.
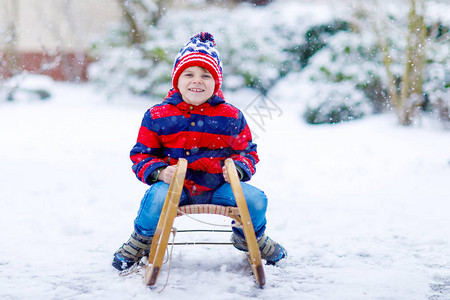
<point>171,210</point>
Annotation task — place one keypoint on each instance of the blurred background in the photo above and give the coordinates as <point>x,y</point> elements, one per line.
<point>340,60</point>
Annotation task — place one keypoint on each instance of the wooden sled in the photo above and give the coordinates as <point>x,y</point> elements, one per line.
<point>170,211</point>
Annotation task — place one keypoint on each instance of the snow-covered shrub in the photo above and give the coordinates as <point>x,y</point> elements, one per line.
<point>437,74</point>
<point>141,71</point>
<point>343,73</point>
<point>26,87</point>
<point>315,38</point>
<point>335,103</point>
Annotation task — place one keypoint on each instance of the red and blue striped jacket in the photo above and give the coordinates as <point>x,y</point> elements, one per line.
<point>205,135</point>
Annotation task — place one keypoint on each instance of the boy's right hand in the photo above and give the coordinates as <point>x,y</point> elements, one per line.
<point>167,173</point>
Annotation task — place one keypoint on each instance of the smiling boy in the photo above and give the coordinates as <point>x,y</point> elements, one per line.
<point>194,122</point>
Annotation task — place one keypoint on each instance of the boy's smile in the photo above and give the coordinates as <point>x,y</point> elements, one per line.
<point>196,85</point>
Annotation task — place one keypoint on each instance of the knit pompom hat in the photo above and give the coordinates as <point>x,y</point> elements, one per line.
<point>200,51</point>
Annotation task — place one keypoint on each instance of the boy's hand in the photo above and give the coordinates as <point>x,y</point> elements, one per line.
<point>225,174</point>
<point>167,173</point>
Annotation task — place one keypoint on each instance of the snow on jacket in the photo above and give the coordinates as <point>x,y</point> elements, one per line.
<point>205,135</point>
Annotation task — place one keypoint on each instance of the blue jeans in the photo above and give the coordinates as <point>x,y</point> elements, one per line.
<point>153,201</point>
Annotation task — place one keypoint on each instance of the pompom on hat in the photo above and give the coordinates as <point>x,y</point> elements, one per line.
<point>200,51</point>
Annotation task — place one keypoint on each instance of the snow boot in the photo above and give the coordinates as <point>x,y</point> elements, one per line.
<point>132,251</point>
<point>270,251</point>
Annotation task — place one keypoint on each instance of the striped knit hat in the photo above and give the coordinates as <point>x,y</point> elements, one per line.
<point>200,51</point>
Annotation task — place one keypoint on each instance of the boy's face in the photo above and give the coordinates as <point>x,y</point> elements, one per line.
<point>196,85</point>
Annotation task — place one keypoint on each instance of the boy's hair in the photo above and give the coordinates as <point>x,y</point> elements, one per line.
<point>200,51</point>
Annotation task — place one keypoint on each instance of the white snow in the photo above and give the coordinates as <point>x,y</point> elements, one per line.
<point>362,207</point>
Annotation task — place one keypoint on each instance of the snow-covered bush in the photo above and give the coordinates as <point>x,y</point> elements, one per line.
<point>141,71</point>
<point>343,73</point>
<point>437,74</point>
<point>315,38</point>
<point>335,103</point>
<point>26,87</point>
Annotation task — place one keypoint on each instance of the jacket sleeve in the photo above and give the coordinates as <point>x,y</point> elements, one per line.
<point>245,156</point>
<point>146,153</point>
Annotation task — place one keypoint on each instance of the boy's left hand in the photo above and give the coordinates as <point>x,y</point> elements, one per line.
<point>167,174</point>
<point>225,174</point>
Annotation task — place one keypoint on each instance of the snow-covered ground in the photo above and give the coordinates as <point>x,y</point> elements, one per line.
<point>362,207</point>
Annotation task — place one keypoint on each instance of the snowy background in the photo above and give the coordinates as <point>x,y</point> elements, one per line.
<point>362,207</point>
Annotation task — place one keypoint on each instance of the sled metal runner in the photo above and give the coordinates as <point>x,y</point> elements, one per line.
<point>171,210</point>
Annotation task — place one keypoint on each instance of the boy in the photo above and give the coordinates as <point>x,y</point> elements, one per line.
<point>195,122</point>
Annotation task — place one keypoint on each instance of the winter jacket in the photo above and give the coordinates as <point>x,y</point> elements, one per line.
<point>205,135</point>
